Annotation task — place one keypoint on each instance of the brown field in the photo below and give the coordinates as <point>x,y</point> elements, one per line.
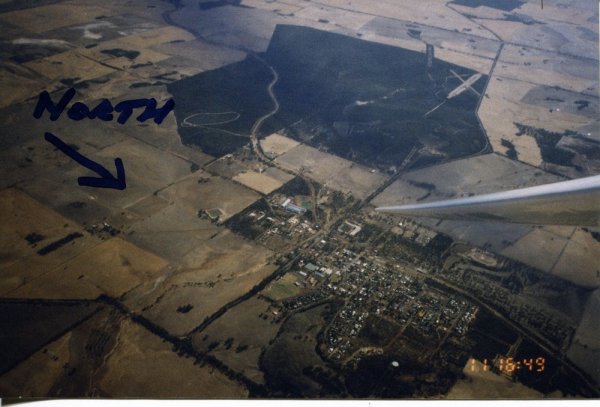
<point>148,206</point>
<point>278,174</point>
<point>69,64</point>
<point>36,375</point>
<point>249,329</point>
<point>211,192</point>
<point>160,35</point>
<point>51,177</point>
<point>141,42</point>
<point>172,231</point>
<point>173,68</point>
<point>206,57</point>
<point>579,262</point>
<point>585,345</point>
<point>117,86</point>
<point>252,174</point>
<point>276,144</point>
<point>279,7</point>
<point>83,268</point>
<point>562,72</point>
<point>45,18</point>
<point>20,263</point>
<point>135,363</point>
<point>568,255</point>
<point>539,248</point>
<point>142,365</point>
<point>16,88</point>
<point>258,181</point>
<point>335,17</point>
<point>48,175</point>
<point>332,171</point>
<point>226,167</point>
<point>216,272</point>
<point>504,106</point>
<point>112,267</point>
<point>435,14</point>
<point>147,169</point>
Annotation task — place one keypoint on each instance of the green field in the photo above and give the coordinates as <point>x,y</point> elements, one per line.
<point>283,288</point>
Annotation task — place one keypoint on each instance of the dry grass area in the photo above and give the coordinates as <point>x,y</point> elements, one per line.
<point>205,56</point>
<point>552,47</point>
<point>500,110</point>
<point>69,65</point>
<point>330,17</point>
<point>172,231</point>
<point>565,252</point>
<point>280,7</point>
<point>142,43</point>
<point>585,348</point>
<point>217,271</point>
<point>82,268</point>
<point>113,267</point>
<point>147,168</point>
<point>171,69</point>
<point>539,248</point>
<point>37,374</point>
<point>558,28</point>
<point>547,68</point>
<point>116,87</point>
<point>504,106</point>
<point>258,181</point>
<point>139,365</point>
<point>332,171</point>
<point>51,177</point>
<point>434,13</point>
<point>46,18</point>
<point>250,173</point>
<point>16,88</point>
<point>21,216</point>
<point>251,325</point>
<point>579,261</point>
<point>143,365</point>
<point>275,144</point>
<point>203,191</point>
<point>476,63</point>
<point>278,174</point>
<point>461,48</point>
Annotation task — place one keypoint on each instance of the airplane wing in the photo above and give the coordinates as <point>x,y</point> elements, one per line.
<point>575,202</point>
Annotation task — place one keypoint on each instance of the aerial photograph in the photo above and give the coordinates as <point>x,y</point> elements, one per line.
<point>299,199</point>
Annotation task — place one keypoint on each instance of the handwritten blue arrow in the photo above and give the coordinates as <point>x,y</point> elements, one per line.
<point>106,180</point>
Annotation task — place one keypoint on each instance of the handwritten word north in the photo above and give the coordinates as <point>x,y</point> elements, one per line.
<point>103,111</point>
